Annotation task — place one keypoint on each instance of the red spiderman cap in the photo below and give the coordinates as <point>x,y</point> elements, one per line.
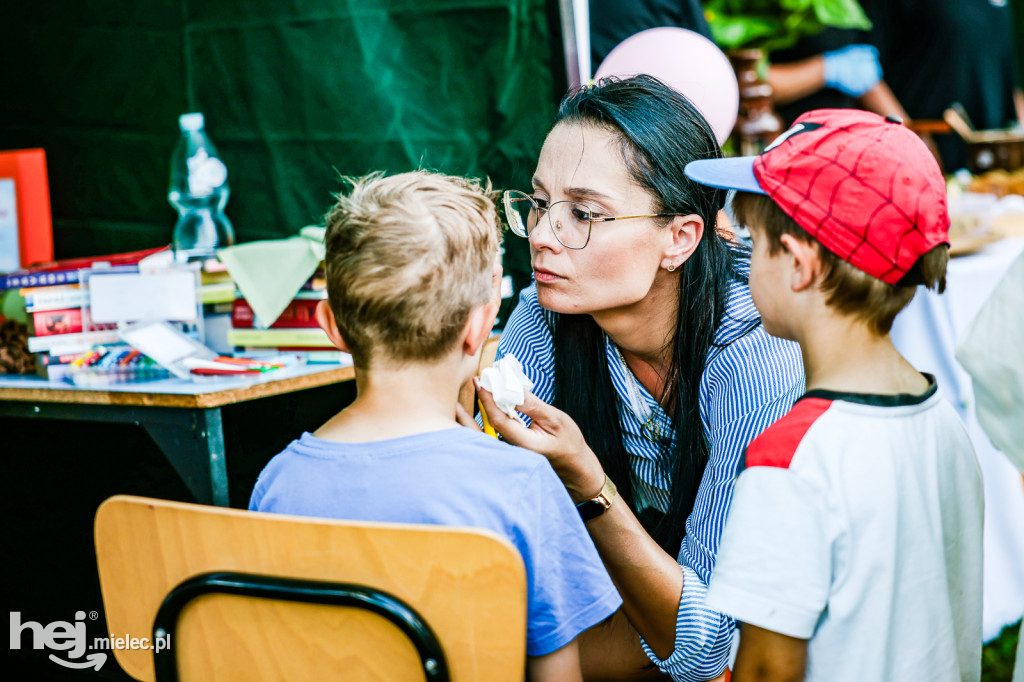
<point>864,186</point>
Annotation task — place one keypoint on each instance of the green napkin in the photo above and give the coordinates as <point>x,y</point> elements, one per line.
<point>270,272</point>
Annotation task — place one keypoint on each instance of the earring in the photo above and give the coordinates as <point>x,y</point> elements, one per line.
<point>671,268</point>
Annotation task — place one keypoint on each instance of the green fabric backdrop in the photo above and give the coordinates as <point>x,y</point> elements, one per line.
<point>295,93</point>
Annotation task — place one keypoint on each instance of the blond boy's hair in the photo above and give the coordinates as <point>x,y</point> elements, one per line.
<point>408,257</point>
<point>848,290</point>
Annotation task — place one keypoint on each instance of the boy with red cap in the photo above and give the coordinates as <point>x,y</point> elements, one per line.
<point>852,550</point>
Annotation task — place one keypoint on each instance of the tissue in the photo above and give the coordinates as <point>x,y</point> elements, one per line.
<point>508,384</point>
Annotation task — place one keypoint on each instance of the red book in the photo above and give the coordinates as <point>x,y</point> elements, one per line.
<point>49,322</point>
<point>300,314</point>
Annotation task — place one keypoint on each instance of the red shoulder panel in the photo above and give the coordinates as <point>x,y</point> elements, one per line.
<point>776,446</point>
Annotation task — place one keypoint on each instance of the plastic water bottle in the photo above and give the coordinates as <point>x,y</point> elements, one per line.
<point>199,191</point>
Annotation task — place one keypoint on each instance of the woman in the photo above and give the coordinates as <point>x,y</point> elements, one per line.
<point>640,329</point>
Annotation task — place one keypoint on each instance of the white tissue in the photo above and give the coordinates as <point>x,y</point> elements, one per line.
<point>508,384</point>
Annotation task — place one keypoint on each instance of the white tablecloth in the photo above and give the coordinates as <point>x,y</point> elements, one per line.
<point>926,333</point>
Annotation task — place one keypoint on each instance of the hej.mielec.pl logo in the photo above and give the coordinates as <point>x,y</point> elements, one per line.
<point>71,638</point>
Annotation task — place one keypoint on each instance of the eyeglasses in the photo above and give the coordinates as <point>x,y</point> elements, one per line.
<point>571,224</point>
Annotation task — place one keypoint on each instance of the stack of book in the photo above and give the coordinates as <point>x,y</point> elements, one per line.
<point>56,334</point>
<point>54,301</point>
<point>295,330</point>
<point>218,292</point>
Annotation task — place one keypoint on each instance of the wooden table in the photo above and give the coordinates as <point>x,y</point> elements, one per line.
<point>183,418</point>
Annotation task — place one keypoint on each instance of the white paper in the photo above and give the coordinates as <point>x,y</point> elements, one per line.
<point>131,297</point>
<point>166,345</point>
<point>10,259</point>
<point>508,384</point>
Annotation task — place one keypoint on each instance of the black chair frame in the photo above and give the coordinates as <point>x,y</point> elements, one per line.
<point>386,605</point>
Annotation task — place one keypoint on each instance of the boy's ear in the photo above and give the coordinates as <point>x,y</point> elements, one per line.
<point>325,318</point>
<point>478,327</point>
<point>806,262</point>
<point>685,232</point>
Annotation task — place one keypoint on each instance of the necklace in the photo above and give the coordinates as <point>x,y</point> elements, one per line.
<point>649,428</point>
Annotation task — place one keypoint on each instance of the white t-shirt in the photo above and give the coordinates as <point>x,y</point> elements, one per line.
<point>857,524</point>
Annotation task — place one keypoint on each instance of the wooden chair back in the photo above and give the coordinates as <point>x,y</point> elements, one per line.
<point>488,351</point>
<point>469,586</point>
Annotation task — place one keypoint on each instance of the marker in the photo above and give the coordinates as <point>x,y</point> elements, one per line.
<point>205,371</point>
<point>488,429</point>
<point>227,367</point>
<point>248,362</point>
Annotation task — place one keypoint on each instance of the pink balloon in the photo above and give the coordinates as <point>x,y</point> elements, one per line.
<point>686,61</point>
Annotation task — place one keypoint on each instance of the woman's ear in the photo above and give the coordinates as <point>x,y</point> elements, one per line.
<point>325,318</point>
<point>806,262</point>
<point>684,232</point>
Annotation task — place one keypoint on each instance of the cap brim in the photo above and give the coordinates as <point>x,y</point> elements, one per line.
<point>732,173</point>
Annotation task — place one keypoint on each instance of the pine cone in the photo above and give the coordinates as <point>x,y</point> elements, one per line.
<point>14,355</point>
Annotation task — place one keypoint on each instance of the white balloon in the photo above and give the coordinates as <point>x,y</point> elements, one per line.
<point>687,62</point>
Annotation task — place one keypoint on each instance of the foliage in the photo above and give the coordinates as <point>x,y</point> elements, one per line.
<point>776,24</point>
<point>997,656</point>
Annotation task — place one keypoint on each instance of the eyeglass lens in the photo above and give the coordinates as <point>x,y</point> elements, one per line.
<point>569,221</point>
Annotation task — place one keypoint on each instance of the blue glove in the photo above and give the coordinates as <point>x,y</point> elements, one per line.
<point>853,70</point>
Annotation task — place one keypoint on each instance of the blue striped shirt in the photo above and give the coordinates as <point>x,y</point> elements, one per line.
<point>748,384</point>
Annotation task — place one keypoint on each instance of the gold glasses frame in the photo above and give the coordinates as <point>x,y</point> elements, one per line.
<point>518,228</point>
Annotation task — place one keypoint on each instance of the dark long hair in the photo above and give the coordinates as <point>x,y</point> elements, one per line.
<point>659,132</point>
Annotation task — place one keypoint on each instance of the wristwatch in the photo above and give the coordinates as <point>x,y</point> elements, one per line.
<point>600,503</point>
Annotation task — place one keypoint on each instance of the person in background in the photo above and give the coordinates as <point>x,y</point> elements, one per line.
<point>992,352</point>
<point>853,547</point>
<point>836,68</point>
<point>937,52</point>
<point>411,294</point>
<point>612,21</point>
<point>833,69</point>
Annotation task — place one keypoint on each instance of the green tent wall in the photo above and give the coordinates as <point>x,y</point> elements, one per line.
<point>296,93</point>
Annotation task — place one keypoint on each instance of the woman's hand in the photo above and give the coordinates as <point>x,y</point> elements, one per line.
<point>464,418</point>
<point>553,434</point>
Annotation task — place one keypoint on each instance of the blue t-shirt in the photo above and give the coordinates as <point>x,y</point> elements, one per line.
<point>457,477</point>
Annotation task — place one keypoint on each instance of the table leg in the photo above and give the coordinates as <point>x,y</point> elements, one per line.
<point>192,440</point>
<point>196,452</point>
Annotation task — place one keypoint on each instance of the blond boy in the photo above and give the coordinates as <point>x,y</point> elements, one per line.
<point>409,285</point>
<point>852,550</point>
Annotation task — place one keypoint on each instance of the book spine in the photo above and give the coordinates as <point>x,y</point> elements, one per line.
<point>54,372</point>
<point>61,344</point>
<point>25,291</point>
<point>317,295</point>
<point>16,280</point>
<point>55,299</point>
<point>48,359</point>
<point>49,278</point>
<point>314,355</point>
<point>300,314</point>
<point>51,322</point>
<point>279,337</point>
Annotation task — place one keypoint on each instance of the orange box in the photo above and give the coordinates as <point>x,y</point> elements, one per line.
<point>27,167</point>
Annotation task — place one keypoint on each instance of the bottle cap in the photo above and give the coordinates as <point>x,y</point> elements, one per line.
<point>191,122</point>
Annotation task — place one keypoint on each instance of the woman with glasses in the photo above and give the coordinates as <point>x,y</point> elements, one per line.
<point>650,367</point>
